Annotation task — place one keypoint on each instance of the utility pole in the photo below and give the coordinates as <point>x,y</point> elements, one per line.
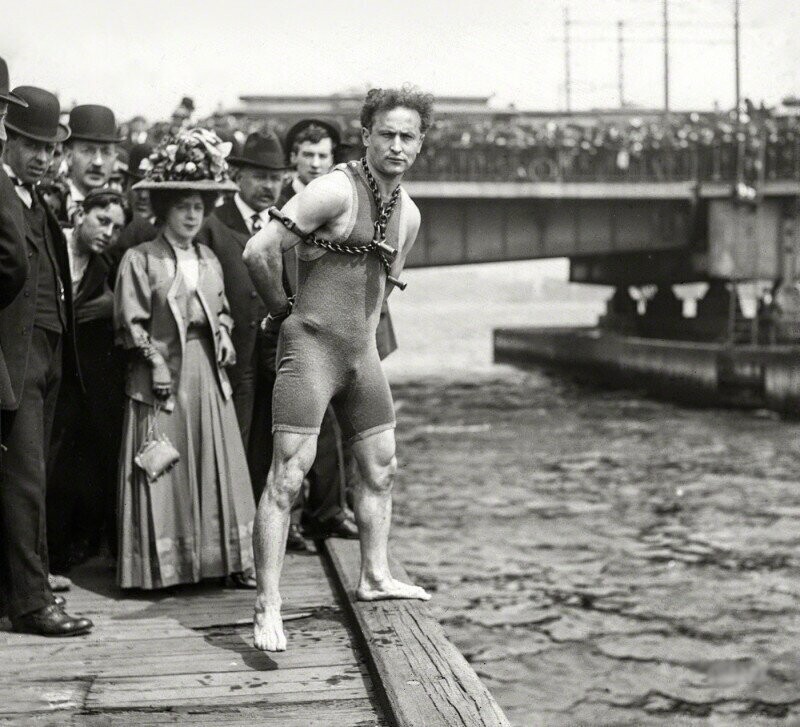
<point>620,63</point>
<point>736,51</point>
<point>567,73</point>
<point>666,58</point>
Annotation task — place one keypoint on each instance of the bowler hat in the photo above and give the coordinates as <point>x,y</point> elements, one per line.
<point>5,85</point>
<point>40,120</point>
<point>92,122</point>
<point>303,124</point>
<point>262,150</point>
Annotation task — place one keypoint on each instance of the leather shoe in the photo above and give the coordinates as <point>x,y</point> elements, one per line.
<point>337,527</point>
<point>295,540</point>
<point>58,583</point>
<point>51,621</point>
<point>243,580</point>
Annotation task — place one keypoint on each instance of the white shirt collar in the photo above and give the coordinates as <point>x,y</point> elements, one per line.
<point>74,198</point>
<point>247,212</point>
<point>78,259</point>
<point>297,185</point>
<point>74,192</point>
<point>23,192</point>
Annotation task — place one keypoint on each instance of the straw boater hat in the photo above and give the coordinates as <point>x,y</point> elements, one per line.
<point>192,160</point>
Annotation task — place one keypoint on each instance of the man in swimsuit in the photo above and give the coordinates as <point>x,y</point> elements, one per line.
<point>357,227</point>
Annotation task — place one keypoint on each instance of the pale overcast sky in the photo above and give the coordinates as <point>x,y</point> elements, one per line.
<point>141,56</point>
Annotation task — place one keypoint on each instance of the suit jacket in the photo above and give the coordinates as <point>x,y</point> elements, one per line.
<point>226,233</point>
<point>13,258</point>
<point>16,320</point>
<point>13,263</point>
<point>99,359</point>
<point>150,301</point>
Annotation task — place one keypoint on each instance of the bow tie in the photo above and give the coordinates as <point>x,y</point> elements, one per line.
<point>19,183</point>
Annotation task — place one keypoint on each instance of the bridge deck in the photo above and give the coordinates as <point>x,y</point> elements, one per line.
<point>622,190</point>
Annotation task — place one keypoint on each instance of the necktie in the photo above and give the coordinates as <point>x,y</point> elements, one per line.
<point>255,222</point>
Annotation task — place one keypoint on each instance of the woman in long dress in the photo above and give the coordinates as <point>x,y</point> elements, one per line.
<point>194,521</point>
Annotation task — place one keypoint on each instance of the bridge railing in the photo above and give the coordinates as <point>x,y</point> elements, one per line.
<point>768,160</point>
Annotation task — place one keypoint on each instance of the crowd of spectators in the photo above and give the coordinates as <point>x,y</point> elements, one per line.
<point>758,147</point>
<point>710,146</point>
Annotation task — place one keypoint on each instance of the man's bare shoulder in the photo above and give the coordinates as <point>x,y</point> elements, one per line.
<point>329,195</point>
<point>411,213</point>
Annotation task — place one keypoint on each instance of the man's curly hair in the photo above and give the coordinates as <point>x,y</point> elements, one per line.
<point>386,99</point>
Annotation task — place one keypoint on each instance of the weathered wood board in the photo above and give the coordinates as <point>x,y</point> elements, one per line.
<point>426,682</point>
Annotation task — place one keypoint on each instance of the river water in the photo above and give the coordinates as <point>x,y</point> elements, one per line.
<point>599,557</point>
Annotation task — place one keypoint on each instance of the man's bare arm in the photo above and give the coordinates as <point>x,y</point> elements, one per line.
<point>320,202</point>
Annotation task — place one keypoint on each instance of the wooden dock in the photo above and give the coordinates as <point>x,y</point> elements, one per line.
<point>185,656</point>
<point>753,376</point>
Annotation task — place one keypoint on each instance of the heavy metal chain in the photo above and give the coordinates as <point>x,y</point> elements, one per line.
<point>384,211</point>
<point>378,245</point>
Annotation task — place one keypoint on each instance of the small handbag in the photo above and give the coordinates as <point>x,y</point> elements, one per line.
<point>157,454</point>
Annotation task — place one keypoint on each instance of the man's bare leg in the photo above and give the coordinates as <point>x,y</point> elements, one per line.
<point>292,457</point>
<point>374,470</point>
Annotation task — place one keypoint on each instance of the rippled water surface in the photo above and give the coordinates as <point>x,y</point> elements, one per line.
<point>601,558</point>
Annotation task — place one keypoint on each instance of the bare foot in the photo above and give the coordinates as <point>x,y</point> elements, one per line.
<point>268,627</point>
<point>389,589</point>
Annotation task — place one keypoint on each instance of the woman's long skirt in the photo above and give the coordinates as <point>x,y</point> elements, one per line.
<point>195,521</point>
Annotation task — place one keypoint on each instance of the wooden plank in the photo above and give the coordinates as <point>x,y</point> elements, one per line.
<point>292,685</point>
<point>27,696</point>
<point>357,712</point>
<point>125,629</point>
<point>425,680</point>
<point>202,615</point>
<point>312,631</point>
<point>243,658</point>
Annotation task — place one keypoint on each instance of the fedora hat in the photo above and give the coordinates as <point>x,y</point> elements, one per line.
<point>303,124</point>
<point>40,119</point>
<point>92,122</point>
<point>5,85</point>
<point>263,150</point>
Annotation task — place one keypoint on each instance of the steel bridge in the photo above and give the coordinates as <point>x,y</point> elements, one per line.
<point>616,229</point>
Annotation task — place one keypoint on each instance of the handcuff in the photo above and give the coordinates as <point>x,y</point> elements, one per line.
<point>273,321</point>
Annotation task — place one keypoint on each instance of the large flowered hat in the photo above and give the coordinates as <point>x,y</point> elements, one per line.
<point>193,159</point>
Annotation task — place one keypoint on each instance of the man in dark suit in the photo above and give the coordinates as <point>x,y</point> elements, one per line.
<point>259,171</point>
<point>85,444</point>
<point>13,257</point>
<point>91,151</point>
<point>33,330</point>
